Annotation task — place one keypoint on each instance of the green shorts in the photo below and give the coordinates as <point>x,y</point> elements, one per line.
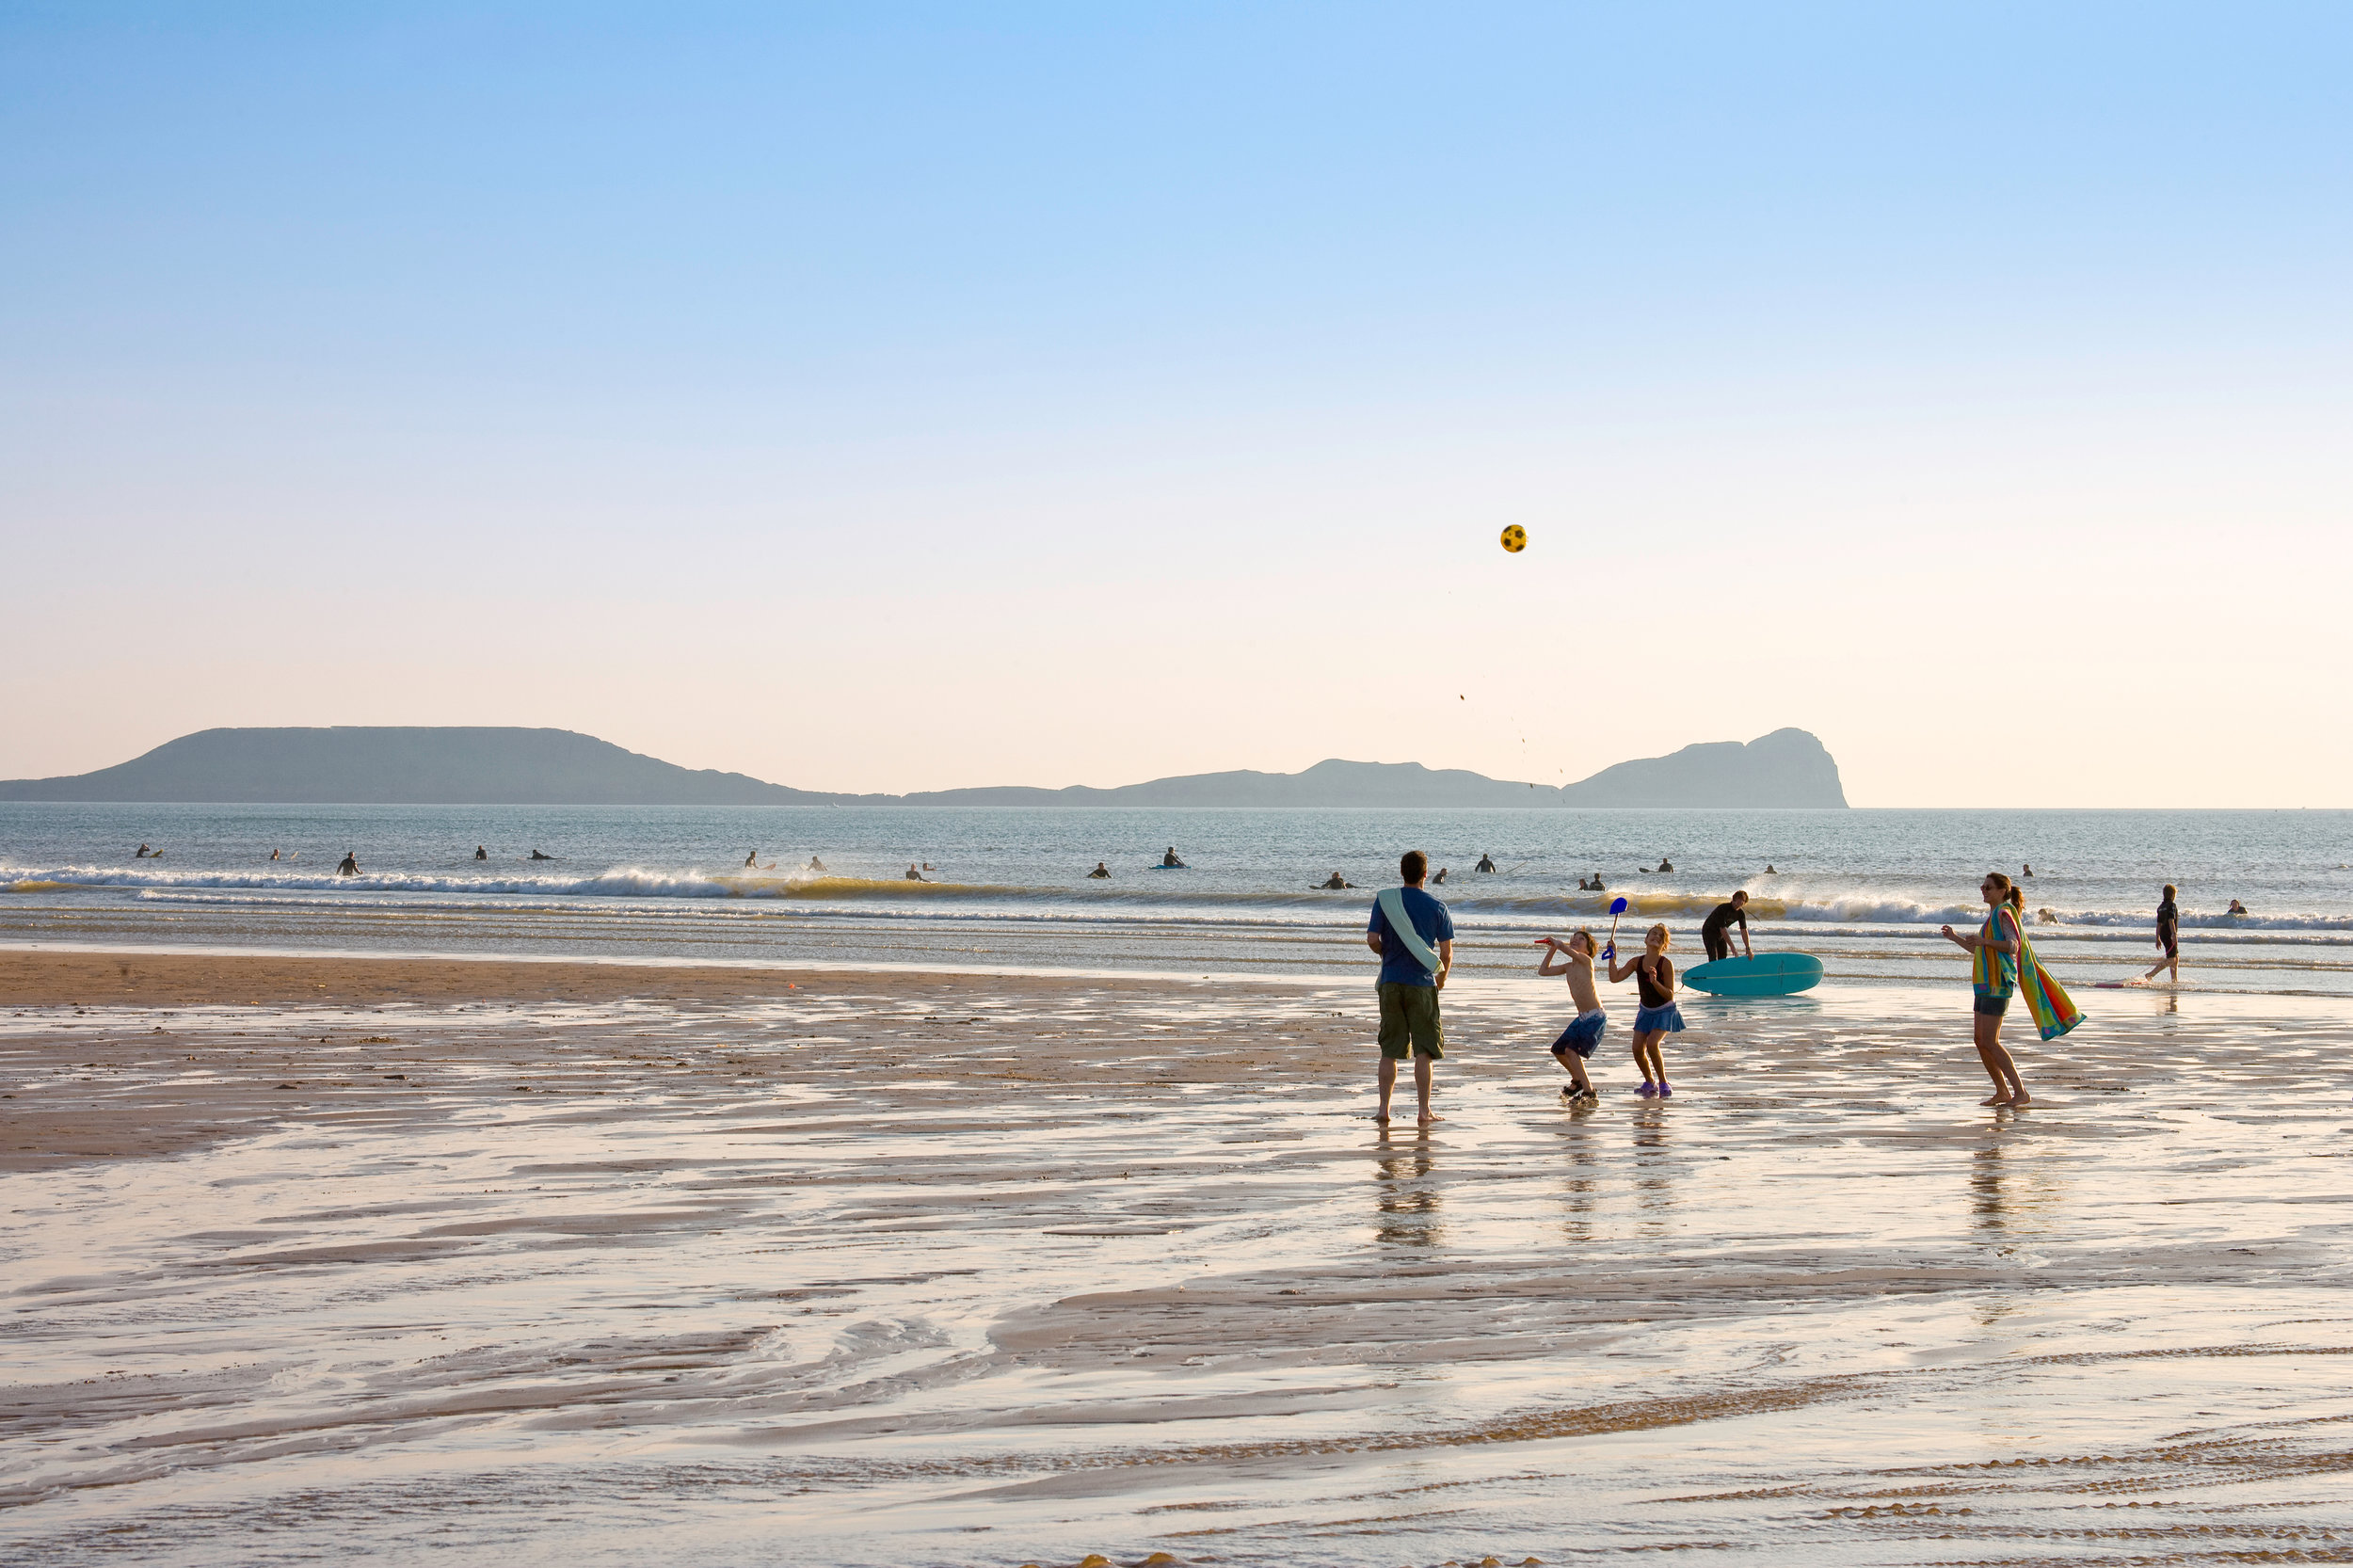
<point>1410,1012</point>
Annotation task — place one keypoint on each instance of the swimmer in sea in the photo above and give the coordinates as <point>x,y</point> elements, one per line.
<point>1334,883</point>
<point>750,860</point>
<point>816,865</point>
<point>1665,864</point>
<point>1100,873</point>
<point>1769,869</point>
<point>2025,871</point>
<point>1486,864</point>
<point>913,876</point>
<point>536,856</point>
<point>2237,907</point>
<point>1439,880</point>
<point>350,865</point>
<point>480,852</point>
<point>143,853</point>
<point>273,855</point>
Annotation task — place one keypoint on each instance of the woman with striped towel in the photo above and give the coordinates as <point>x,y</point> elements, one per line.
<point>2003,964</point>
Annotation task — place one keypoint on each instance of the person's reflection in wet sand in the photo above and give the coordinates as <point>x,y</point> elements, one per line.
<point>1582,1189</point>
<point>2010,1192</point>
<point>1654,1170</point>
<point>1409,1202</point>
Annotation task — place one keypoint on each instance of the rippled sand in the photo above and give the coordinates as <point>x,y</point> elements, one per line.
<point>590,1264</point>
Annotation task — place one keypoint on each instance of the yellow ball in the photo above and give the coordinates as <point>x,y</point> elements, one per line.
<point>1515,538</point>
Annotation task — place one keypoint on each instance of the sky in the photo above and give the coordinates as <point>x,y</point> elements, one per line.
<point>889,397</point>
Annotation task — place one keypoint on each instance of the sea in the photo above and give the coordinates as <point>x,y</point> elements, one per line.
<point>1864,890</point>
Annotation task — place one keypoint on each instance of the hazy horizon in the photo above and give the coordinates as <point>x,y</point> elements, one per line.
<point>887,400</point>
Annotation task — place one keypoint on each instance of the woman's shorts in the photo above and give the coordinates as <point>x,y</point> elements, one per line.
<point>1666,1019</point>
<point>1582,1035</point>
<point>1992,1006</point>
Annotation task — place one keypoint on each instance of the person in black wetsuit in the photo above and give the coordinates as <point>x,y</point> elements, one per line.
<point>1486,864</point>
<point>2168,936</point>
<point>480,851</point>
<point>1712,929</point>
<point>350,865</point>
<point>1101,872</point>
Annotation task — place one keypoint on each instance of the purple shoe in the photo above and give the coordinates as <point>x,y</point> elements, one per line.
<point>1665,1092</point>
<point>1648,1089</point>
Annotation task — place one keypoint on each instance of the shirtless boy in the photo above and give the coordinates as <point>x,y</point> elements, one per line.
<point>1575,959</point>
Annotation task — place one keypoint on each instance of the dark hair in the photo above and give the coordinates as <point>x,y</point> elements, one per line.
<point>1413,865</point>
<point>2170,891</point>
<point>2017,894</point>
<point>1742,894</point>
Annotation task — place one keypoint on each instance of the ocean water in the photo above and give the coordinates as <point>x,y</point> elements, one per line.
<point>1864,890</point>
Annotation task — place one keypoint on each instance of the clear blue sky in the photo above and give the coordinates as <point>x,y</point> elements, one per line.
<point>897,397</point>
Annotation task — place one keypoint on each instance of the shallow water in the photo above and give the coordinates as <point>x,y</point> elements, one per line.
<point>910,1301</point>
<point>1864,890</point>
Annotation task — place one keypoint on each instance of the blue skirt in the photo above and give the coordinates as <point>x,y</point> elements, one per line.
<point>1668,1018</point>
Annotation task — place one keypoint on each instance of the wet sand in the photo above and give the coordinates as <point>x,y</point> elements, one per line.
<point>395,1258</point>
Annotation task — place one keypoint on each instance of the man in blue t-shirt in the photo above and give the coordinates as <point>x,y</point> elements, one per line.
<point>1413,970</point>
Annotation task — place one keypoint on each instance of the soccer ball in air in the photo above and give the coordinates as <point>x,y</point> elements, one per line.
<point>1515,538</point>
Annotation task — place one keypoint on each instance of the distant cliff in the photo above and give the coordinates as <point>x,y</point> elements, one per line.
<point>1786,768</point>
<point>404,766</point>
<point>387,766</point>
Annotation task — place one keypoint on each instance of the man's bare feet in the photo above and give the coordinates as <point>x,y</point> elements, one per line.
<point>2021,1100</point>
<point>1998,1099</point>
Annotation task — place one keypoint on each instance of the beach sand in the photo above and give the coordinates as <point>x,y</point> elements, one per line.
<point>400,1258</point>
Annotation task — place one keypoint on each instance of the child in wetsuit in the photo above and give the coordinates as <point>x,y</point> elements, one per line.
<point>1575,959</point>
<point>1657,1017</point>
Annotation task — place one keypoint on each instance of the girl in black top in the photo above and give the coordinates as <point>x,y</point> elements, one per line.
<point>1658,1016</point>
<point>2168,937</point>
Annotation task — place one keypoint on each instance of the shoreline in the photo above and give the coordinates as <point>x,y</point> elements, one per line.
<point>1124,1263</point>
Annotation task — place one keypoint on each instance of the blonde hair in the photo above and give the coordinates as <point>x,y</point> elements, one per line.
<point>1659,932</point>
<point>2013,895</point>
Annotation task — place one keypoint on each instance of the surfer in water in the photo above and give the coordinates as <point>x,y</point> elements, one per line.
<point>1486,864</point>
<point>752,860</point>
<point>1100,873</point>
<point>536,855</point>
<point>1439,880</point>
<point>2168,936</point>
<point>1719,921</point>
<point>480,851</point>
<point>1169,860</point>
<point>913,876</point>
<point>1333,883</point>
<point>350,865</point>
<point>816,866</point>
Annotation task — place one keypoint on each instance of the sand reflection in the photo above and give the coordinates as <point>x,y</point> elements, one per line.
<point>1407,1198</point>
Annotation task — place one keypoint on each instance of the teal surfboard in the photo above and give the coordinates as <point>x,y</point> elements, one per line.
<point>1768,974</point>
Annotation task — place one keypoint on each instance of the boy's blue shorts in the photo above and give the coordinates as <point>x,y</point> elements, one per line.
<point>1582,1035</point>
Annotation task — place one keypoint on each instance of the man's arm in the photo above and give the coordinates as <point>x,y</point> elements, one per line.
<point>1744,935</point>
<point>1445,960</point>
